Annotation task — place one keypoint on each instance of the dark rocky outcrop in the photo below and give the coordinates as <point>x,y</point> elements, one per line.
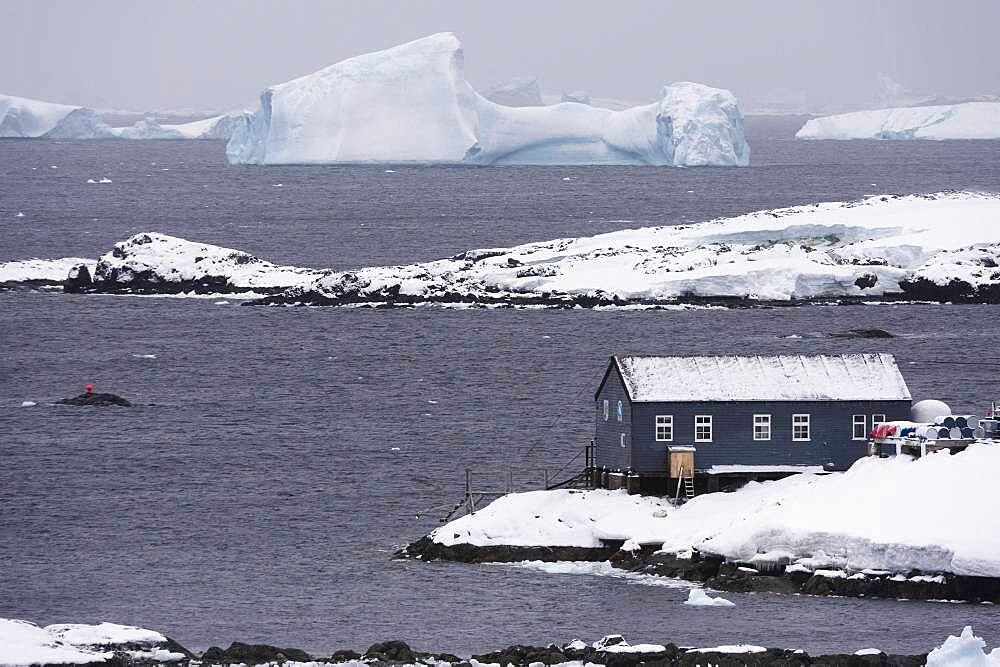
<point>862,333</point>
<point>97,399</point>
<point>390,652</point>
<point>252,654</point>
<point>78,280</point>
<point>427,549</point>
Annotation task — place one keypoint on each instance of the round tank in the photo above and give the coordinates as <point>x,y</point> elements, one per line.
<point>928,411</point>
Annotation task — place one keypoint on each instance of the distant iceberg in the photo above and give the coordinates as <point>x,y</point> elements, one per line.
<point>411,103</point>
<point>521,91</point>
<point>21,117</point>
<point>969,120</point>
<point>216,127</point>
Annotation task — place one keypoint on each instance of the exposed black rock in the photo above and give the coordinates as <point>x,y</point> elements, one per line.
<point>427,549</point>
<point>862,333</point>
<point>956,291</point>
<point>866,281</point>
<point>344,655</point>
<point>391,651</point>
<point>96,399</point>
<point>252,654</point>
<point>78,280</point>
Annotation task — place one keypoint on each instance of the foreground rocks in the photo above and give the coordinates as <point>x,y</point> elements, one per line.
<point>613,651</point>
<point>715,572</point>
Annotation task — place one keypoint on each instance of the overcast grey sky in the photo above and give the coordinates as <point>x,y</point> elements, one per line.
<point>218,54</point>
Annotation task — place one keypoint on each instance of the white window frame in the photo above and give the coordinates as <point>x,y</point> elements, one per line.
<point>877,419</point>
<point>623,441</point>
<point>702,424</point>
<point>807,423</point>
<point>766,421</point>
<point>856,421</point>
<point>667,423</point>
<point>607,409</point>
<point>619,410</point>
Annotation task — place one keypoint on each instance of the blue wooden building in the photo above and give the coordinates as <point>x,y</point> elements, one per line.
<point>659,418</point>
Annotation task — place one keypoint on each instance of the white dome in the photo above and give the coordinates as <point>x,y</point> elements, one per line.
<point>927,411</point>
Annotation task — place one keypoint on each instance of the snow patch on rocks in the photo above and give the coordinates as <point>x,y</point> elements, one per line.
<point>878,247</point>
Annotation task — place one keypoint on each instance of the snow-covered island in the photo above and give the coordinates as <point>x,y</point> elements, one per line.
<point>23,118</point>
<point>108,644</point>
<point>871,531</point>
<point>412,103</point>
<point>968,120</point>
<point>941,247</point>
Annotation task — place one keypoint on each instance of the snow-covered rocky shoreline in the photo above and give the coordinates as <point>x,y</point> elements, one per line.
<point>870,532</point>
<point>23,643</point>
<point>942,247</point>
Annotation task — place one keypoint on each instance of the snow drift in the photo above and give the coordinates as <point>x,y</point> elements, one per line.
<point>970,120</point>
<point>24,643</point>
<point>25,118</point>
<point>411,103</point>
<point>875,516</point>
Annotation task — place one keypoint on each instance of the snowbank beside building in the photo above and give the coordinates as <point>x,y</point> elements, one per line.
<point>877,517</point>
<point>357,111</point>
<point>969,120</point>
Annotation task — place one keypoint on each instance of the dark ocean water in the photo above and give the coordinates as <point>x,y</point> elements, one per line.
<point>255,493</point>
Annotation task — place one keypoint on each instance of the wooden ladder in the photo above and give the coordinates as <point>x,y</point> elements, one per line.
<point>685,483</point>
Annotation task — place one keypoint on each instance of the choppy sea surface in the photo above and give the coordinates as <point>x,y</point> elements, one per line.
<point>278,456</point>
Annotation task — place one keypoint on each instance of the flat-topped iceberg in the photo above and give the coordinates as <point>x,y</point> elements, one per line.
<point>21,117</point>
<point>411,103</point>
<point>969,120</point>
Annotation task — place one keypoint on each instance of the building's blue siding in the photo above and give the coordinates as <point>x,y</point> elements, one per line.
<point>831,431</point>
<point>608,451</point>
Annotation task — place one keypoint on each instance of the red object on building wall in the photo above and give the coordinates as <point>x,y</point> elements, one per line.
<point>88,388</point>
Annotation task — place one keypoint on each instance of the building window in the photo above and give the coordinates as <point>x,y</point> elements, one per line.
<point>800,428</point>
<point>877,419</point>
<point>664,428</point>
<point>619,411</point>
<point>623,440</point>
<point>858,432</point>
<point>607,409</point>
<point>703,428</point>
<point>762,427</point>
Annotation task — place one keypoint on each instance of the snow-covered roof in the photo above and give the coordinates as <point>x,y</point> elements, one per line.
<point>846,377</point>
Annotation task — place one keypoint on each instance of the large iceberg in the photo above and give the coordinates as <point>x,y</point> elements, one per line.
<point>21,117</point>
<point>969,120</point>
<point>411,103</point>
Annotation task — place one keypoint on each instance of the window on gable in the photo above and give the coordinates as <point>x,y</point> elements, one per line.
<point>858,430</point>
<point>619,409</point>
<point>623,439</point>
<point>703,428</point>
<point>800,428</point>
<point>607,409</point>
<point>877,419</point>
<point>664,428</point>
<point>762,427</point>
